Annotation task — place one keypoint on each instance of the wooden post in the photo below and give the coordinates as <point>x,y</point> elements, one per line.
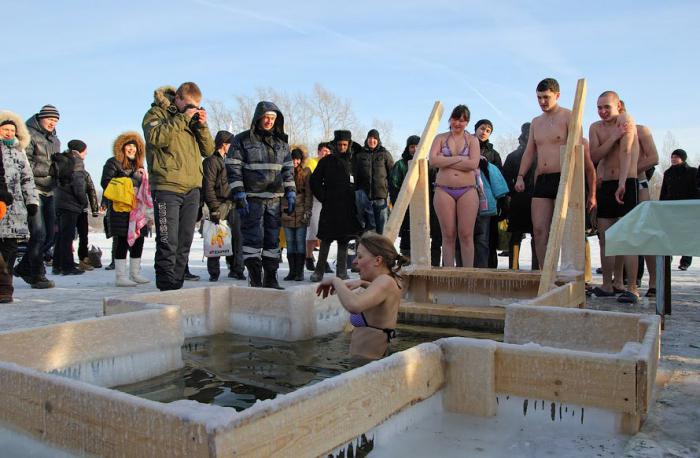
<point>391,229</point>
<point>561,206</point>
<point>573,248</point>
<point>420,218</point>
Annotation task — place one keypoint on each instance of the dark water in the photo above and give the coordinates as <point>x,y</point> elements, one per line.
<point>234,371</point>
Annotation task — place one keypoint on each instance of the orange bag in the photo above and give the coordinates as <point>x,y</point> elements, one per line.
<point>3,209</point>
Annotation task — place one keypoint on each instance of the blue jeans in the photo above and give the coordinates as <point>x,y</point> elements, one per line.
<point>296,239</point>
<point>372,213</point>
<point>261,229</point>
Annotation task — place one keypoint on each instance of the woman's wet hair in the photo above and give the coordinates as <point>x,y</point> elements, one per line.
<point>459,112</point>
<point>379,245</point>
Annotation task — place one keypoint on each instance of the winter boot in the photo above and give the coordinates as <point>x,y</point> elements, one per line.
<point>254,266</point>
<point>341,265</point>
<point>322,263</point>
<point>299,274</point>
<point>135,271</point>
<point>85,265</point>
<point>292,260</point>
<point>270,266</point>
<point>110,266</point>
<point>122,278</point>
<point>310,264</point>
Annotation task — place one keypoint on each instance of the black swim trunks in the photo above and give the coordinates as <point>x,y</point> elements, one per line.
<point>608,206</point>
<point>547,186</point>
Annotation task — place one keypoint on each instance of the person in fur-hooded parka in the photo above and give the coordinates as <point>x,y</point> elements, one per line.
<point>128,153</point>
<point>18,193</point>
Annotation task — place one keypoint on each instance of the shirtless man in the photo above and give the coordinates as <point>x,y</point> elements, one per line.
<point>548,133</point>
<point>614,142</point>
<point>648,158</point>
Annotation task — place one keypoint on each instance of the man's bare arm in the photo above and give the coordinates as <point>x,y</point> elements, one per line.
<point>589,169</point>
<point>527,159</point>
<point>646,144</point>
<point>598,150</point>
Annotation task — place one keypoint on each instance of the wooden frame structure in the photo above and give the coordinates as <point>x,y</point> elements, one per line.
<point>611,364</point>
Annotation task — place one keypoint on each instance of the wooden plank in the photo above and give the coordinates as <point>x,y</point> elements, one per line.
<point>458,311</point>
<point>391,229</point>
<point>572,377</point>
<point>561,206</point>
<point>94,421</point>
<point>573,248</point>
<point>420,217</point>
<point>317,419</point>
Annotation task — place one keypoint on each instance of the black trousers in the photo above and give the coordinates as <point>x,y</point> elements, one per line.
<point>8,250</point>
<point>122,247</point>
<point>82,227</point>
<point>175,217</point>
<point>63,253</point>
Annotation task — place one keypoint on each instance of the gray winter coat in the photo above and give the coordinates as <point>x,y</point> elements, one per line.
<point>42,146</point>
<point>19,181</point>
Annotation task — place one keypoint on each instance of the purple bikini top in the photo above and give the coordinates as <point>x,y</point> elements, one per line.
<point>445,151</point>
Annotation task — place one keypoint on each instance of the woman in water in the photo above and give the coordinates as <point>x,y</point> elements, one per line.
<point>456,156</point>
<point>374,310</point>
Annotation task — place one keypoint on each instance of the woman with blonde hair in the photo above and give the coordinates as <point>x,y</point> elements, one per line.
<point>128,161</point>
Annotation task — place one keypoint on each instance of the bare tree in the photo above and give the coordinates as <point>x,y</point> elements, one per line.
<point>219,116</point>
<point>386,132</point>
<point>242,116</point>
<point>505,144</point>
<point>670,143</point>
<point>331,112</point>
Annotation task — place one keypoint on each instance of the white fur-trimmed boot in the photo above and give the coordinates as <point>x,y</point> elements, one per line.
<point>122,277</point>
<point>135,271</point>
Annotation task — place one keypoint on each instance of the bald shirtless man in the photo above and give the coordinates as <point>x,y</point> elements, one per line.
<point>615,143</point>
<point>548,133</point>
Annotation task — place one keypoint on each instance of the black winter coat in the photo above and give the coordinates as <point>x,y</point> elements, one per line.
<point>42,146</point>
<point>371,169</point>
<point>519,209</point>
<point>71,192</point>
<point>680,183</point>
<point>259,162</point>
<point>118,221</point>
<point>491,154</point>
<point>330,184</point>
<point>215,188</point>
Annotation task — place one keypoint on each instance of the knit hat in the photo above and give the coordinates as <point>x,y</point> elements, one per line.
<point>680,153</point>
<point>374,133</point>
<point>77,145</point>
<point>48,111</point>
<point>412,140</point>
<point>483,121</point>
<point>342,135</point>
<point>222,136</point>
<point>8,121</point>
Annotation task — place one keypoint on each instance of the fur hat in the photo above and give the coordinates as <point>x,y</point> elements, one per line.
<point>412,140</point>
<point>342,135</point>
<point>21,134</point>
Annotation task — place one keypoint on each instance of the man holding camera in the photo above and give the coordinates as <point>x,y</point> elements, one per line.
<point>177,136</point>
<point>260,173</point>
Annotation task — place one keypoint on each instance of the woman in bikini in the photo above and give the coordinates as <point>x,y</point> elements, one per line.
<point>374,311</point>
<point>456,156</point>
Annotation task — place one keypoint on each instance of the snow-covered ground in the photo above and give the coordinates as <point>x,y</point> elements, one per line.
<point>672,428</point>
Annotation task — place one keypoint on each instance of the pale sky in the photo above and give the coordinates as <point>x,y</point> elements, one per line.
<point>99,62</point>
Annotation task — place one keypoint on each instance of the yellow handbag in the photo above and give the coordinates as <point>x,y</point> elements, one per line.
<point>121,192</point>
